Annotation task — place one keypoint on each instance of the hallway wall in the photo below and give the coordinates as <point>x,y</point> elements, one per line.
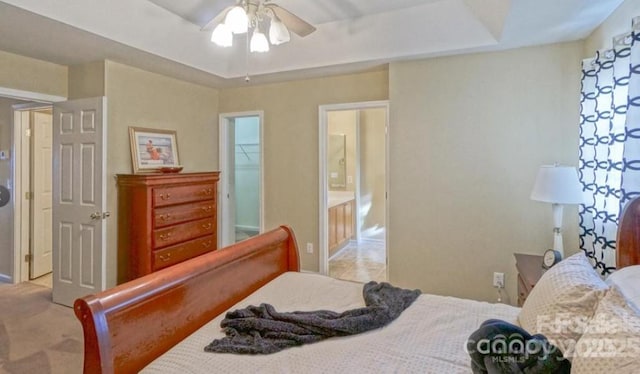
<point>6,212</point>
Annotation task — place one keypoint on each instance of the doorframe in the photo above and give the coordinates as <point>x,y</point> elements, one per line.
<point>323,227</point>
<point>223,138</point>
<point>38,101</point>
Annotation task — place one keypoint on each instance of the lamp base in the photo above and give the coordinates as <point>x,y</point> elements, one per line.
<point>557,225</point>
<point>557,241</point>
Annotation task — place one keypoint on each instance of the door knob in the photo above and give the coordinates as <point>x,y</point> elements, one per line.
<point>96,215</point>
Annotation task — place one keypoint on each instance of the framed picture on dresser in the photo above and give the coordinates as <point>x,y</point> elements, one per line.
<point>152,149</point>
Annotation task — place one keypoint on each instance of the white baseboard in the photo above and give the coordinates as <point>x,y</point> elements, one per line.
<point>5,278</point>
<point>247,228</point>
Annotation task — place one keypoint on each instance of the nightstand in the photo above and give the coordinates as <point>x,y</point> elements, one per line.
<point>529,272</point>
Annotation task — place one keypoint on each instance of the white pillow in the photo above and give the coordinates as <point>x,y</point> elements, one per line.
<point>611,341</point>
<point>563,301</point>
<point>628,281</point>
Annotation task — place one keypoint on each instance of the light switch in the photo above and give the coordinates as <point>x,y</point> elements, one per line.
<point>349,179</point>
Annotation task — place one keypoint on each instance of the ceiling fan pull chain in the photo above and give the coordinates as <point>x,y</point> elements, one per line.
<point>247,79</point>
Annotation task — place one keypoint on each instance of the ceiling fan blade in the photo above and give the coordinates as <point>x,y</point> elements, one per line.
<point>293,22</point>
<point>217,19</point>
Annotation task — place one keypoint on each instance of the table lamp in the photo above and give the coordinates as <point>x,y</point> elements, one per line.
<point>557,185</point>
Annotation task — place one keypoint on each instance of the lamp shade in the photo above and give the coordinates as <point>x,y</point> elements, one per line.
<point>259,42</point>
<point>222,36</point>
<point>557,184</point>
<point>278,32</point>
<point>237,20</point>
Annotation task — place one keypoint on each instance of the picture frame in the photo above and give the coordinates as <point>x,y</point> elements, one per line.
<point>153,149</point>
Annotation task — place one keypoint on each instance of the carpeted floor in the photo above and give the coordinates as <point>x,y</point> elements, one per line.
<point>36,335</point>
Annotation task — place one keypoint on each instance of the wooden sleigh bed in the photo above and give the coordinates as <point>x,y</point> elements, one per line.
<point>129,326</point>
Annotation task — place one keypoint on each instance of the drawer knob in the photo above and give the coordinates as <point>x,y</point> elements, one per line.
<point>206,226</point>
<point>207,209</point>
<point>165,217</point>
<point>207,191</point>
<point>166,257</point>
<point>165,236</point>
<point>207,244</point>
<point>164,196</point>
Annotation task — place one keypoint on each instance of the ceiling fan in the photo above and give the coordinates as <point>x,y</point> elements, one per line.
<point>255,14</point>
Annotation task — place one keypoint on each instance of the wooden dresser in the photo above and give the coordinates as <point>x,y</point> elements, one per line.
<point>164,219</point>
<point>529,272</point>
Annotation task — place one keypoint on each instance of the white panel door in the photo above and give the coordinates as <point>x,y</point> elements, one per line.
<point>79,198</point>
<point>41,235</point>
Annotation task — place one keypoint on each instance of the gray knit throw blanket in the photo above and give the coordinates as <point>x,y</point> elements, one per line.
<point>263,330</point>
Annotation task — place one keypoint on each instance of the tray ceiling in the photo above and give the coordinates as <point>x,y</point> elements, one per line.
<point>164,35</point>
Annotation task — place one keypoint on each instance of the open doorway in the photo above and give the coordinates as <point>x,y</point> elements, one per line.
<point>34,186</point>
<point>241,176</point>
<point>353,203</point>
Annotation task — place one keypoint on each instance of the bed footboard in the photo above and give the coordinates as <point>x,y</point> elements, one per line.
<point>128,326</point>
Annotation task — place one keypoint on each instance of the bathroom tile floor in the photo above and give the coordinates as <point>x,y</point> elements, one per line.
<point>362,262</point>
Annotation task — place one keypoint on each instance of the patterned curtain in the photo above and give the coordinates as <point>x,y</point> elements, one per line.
<point>609,162</point>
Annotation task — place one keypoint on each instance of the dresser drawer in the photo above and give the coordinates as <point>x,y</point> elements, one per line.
<point>183,194</point>
<point>172,215</point>
<point>185,231</point>
<point>181,252</point>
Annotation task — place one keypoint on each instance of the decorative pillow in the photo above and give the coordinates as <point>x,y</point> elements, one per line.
<point>611,341</point>
<point>563,301</point>
<point>628,282</point>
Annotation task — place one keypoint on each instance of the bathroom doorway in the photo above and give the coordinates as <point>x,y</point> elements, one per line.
<point>353,185</point>
<point>241,163</point>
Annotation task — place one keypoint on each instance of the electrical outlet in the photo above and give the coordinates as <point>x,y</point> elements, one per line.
<point>309,247</point>
<point>498,280</point>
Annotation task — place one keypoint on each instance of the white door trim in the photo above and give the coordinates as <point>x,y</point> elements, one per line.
<point>21,217</point>
<point>30,96</point>
<point>223,138</point>
<point>323,229</point>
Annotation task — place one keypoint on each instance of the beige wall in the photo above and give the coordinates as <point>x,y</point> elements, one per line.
<point>28,74</point>
<point>372,171</point>
<point>291,143</point>
<point>344,122</point>
<point>139,98</point>
<point>618,23</point>
<point>87,80</point>
<point>467,135</point>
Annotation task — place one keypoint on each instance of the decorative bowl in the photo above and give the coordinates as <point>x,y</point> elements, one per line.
<point>170,169</point>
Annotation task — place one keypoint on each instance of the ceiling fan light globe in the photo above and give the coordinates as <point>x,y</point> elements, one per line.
<point>259,42</point>
<point>237,20</point>
<point>278,32</point>
<point>222,36</point>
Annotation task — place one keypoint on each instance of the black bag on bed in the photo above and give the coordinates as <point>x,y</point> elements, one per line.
<point>501,347</point>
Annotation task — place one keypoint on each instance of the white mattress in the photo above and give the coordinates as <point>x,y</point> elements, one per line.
<point>429,337</point>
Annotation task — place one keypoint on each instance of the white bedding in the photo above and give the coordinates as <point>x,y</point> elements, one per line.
<point>429,337</point>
